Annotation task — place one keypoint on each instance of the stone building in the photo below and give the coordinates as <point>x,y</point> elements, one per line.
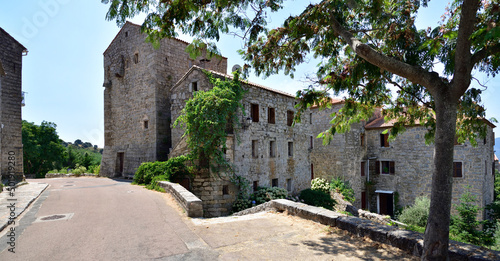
<point>11,101</point>
<point>137,81</point>
<point>146,89</point>
<point>388,174</point>
<point>268,151</point>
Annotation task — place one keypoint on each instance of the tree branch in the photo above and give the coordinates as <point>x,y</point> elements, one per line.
<point>485,52</point>
<point>418,75</point>
<point>463,56</point>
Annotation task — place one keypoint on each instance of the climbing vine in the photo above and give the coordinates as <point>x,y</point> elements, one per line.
<point>207,117</point>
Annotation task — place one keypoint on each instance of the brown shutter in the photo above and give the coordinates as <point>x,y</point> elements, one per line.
<point>386,140</point>
<point>392,169</point>
<point>377,167</point>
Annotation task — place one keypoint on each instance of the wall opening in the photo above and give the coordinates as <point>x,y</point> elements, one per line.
<point>254,112</point>
<point>385,202</point>
<point>289,118</point>
<point>271,118</point>
<point>272,149</point>
<point>290,149</point>
<point>274,182</point>
<point>136,58</point>
<point>255,148</point>
<point>120,162</point>
<point>255,185</point>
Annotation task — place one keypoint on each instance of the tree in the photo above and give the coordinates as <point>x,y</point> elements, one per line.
<point>42,148</point>
<point>364,47</point>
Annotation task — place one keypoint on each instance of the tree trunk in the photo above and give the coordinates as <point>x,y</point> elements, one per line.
<point>438,224</point>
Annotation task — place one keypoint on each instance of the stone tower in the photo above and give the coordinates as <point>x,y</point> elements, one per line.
<point>11,100</point>
<point>137,81</point>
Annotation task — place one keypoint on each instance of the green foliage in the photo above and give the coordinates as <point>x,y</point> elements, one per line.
<point>417,213</point>
<point>42,149</point>
<point>150,172</point>
<point>241,204</point>
<point>265,194</point>
<point>206,117</point>
<point>317,198</point>
<point>343,187</point>
<point>79,154</point>
<point>465,226</point>
<point>95,169</point>
<point>79,170</point>
<point>320,185</point>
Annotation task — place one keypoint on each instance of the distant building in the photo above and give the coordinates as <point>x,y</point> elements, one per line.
<point>11,101</point>
<point>146,90</point>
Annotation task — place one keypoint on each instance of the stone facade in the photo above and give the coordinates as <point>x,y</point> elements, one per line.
<point>397,171</point>
<point>137,81</point>
<point>267,151</point>
<point>11,100</point>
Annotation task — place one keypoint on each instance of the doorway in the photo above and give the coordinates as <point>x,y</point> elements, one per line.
<point>120,157</point>
<point>385,202</point>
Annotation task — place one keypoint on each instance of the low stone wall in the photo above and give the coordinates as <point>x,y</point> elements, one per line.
<point>409,241</point>
<point>191,204</point>
<point>70,175</point>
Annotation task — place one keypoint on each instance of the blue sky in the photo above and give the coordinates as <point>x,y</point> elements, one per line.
<point>63,71</point>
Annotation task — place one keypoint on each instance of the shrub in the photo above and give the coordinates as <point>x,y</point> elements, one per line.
<point>416,214</point>
<point>168,170</point>
<point>320,185</point>
<point>95,169</point>
<point>265,194</point>
<point>79,170</point>
<point>344,188</point>
<point>465,226</point>
<point>317,198</point>
<point>241,204</point>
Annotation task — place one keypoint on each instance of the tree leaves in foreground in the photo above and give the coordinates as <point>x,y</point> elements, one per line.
<point>364,48</point>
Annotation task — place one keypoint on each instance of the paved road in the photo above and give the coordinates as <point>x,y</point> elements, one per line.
<point>104,219</point>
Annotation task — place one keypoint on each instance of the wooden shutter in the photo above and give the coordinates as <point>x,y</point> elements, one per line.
<point>392,168</point>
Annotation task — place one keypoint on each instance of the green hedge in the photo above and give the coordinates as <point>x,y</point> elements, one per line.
<point>150,172</point>
<point>317,198</point>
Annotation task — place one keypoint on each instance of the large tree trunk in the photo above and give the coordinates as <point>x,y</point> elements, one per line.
<point>438,223</point>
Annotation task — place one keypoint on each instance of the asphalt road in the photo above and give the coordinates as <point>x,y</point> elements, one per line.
<point>104,219</point>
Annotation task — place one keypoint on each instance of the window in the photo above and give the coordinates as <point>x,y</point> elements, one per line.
<point>255,185</point>
<point>363,168</point>
<point>274,182</point>
<point>255,148</point>
<point>312,171</point>
<point>290,149</point>
<point>362,139</point>
<point>310,118</point>
<point>254,112</point>
<point>194,86</point>
<point>385,167</point>
<point>289,184</point>
<point>289,118</point>
<point>146,124</point>
<point>384,140</point>
<point>225,190</point>
<point>272,149</point>
<point>310,142</point>
<point>457,169</point>
<point>126,34</point>
<point>136,58</point>
<point>271,116</point>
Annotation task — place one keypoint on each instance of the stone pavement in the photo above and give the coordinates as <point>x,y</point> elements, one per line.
<point>13,203</point>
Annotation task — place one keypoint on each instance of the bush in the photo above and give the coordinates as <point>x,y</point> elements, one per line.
<point>416,214</point>
<point>320,185</point>
<point>264,194</point>
<point>79,170</point>
<point>317,198</point>
<point>241,204</point>
<point>344,188</point>
<point>465,226</point>
<point>168,170</point>
<point>95,169</point>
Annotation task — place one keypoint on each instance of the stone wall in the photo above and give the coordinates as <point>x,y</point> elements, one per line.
<point>249,149</point>
<point>11,53</point>
<point>137,84</point>
<point>413,161</point>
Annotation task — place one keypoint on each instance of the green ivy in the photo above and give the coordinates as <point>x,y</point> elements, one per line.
<point>343,187</point>
<point>206,117</point>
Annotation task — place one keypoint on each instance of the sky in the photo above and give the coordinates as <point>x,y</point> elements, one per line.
<point>63,71</point>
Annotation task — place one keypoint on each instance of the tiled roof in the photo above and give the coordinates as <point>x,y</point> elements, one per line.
<point>195,67</point>
<point>381,123</point>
